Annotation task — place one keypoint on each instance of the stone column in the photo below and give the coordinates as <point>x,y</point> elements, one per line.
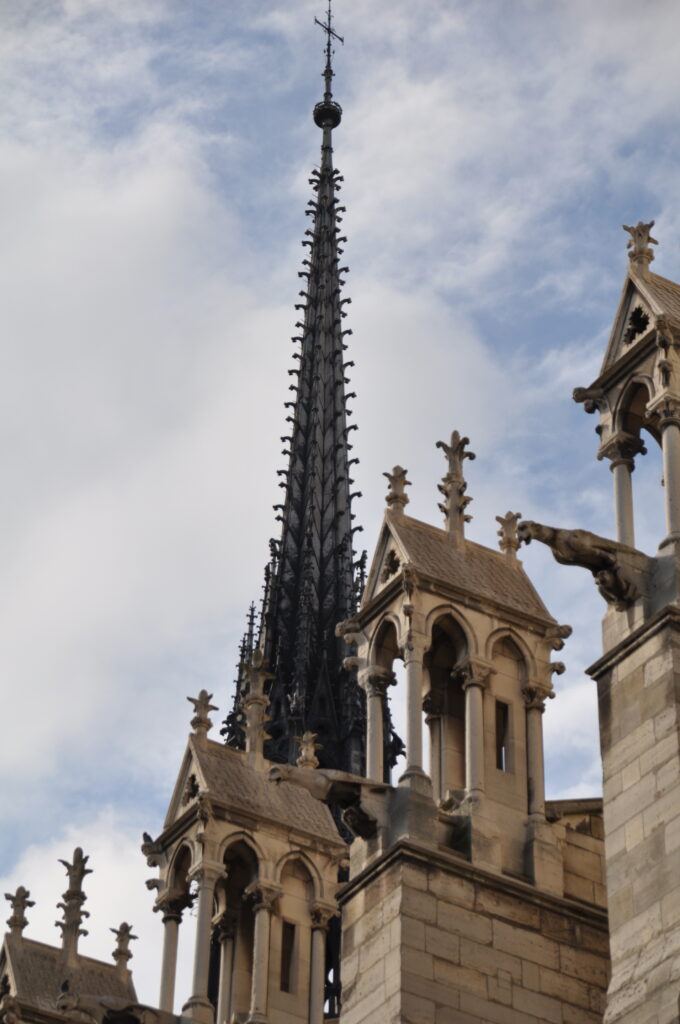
<point>534,699</point>
<point>376,687</point>
<point>172,917</point>
<point>670,445</point>
<point>413,660</point>
<point>226,932</point>
<point>266,895</point>
<point>199,1006</point>
<point>473,676</point>
<point>622,449</point>
<point>434,720</point>
<point>321,915</point>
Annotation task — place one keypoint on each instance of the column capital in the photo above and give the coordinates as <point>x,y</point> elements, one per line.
<point>226,925</point>
<point>667,409</point>
<point>172,907</point>
<point>377,680</point>
<point>621,448</point>
<point>265,894</point>
<point>472,672</point>
<point>535,696</point>
<point>321,914</point>
<point>207,874</point>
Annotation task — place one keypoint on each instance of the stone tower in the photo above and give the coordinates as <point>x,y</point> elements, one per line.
<point>313,580</point>
<point>470,899</point>
<point>638,677</point>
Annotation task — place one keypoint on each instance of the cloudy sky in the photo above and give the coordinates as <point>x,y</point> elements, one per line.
<point>154,159</point>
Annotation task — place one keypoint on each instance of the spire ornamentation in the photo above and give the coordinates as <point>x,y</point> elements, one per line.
<point>73,898</point>
<point>314,579</point>
<point>18,901</point>
<point>640,255</point>
<point>454,486</point>
<point>397,498</point>
<point>201,722</point>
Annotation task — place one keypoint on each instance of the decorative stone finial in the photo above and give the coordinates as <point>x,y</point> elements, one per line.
<point>453,486</point>
<point>201,723</point>
<point>640,239</point>
<point>509,539</point>
<point>397,497</point>
<point>121,953</point>
<point>308,749</point>
<point>73,898</point>
<point>19,901</point>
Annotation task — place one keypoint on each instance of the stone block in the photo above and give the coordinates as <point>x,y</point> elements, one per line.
<point>496,903</point>
<point>587,967</point>
<point>416,1009</point>
<point>544,1008</point>
<point>464,922</point>
<point>490,960</point>
<point>420,905</point>
<point>452,888</point>
<point>525,944</point>
<point>565,988</point>
<point>460,978</point>
<point>445,944</point>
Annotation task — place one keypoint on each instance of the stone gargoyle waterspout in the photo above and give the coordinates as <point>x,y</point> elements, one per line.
<point>362,802</point>
<point>620,572</point>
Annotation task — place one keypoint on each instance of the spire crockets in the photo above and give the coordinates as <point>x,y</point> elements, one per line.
<point>312,581</point>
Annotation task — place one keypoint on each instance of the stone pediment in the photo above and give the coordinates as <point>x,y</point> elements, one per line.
<point>190,782</point>
<point>644,298</point>
<point>388,559</point>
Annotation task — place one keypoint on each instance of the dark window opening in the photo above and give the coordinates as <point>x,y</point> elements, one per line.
<point>287,950</point>
<point>638,323</point>
<point>502,728</point>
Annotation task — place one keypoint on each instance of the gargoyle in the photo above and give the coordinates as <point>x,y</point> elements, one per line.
<point>359,799</point>
<point>617,569</point>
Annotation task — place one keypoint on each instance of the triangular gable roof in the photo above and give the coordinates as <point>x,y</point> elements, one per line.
<point>37,971</point>
<point>387,540</point>
<point>189,766</point>
<point>229,780</point>
<point>656,294</point>
<point>471,567</point>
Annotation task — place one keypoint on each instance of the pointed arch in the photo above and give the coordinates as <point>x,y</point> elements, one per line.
<point>443,611</point>
<point>245,839</point>
<point>300,857</point>
<point>183,860</point>
<point>630,413</point>
<point>508,633</point>
<point>386,641</point>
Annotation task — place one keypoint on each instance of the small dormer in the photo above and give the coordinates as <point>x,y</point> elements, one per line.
<point>637,393</point>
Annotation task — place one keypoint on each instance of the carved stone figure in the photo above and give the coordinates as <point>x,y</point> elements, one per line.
<point>640,239</point>
<point>201,722</point>
<point>19,901</point>
<point>357,797</point>
<point>76,871</point>
<point>509,540</point>
<point>308,749</point>
<point>602,556</point>
<point>397,497</point>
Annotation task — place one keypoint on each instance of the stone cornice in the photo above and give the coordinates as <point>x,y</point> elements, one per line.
<point>411,851</point>
<point>668,616</point>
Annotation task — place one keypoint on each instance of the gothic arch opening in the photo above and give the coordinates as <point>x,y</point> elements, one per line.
<point>445,706</point>
<point>236,925</point>
<point>647,479</point>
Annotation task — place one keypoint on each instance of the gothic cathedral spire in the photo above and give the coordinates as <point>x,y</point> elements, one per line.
<point>313,579</point>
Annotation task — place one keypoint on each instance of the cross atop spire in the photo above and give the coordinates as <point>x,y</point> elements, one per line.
<point>331,34</point>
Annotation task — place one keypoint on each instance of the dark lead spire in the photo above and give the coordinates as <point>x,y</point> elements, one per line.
<point>312,581</point>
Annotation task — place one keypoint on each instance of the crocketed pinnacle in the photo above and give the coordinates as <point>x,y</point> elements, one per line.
<point>313,580</point>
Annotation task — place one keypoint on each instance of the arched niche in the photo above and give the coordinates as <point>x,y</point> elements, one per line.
<point>445,705</point>
<point>291,936</point>
<point>178,876</point>
<point>506,713</point>
<point>385,647</point>
<point>242,868</point>
<point>631,415</point>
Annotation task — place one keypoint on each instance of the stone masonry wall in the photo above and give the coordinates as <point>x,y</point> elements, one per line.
<point>428,939</point>
<point>639,691</point>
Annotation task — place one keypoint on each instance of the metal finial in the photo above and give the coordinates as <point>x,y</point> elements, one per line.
<point>327,26</point>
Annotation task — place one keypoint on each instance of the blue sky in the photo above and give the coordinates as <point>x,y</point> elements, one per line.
<point>154,163</point>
